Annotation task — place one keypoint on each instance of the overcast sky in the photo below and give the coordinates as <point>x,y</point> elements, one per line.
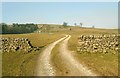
<point>99,14</point>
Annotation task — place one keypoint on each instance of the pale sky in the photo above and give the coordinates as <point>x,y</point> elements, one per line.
<point>99,14</point>
<point>59,0</point>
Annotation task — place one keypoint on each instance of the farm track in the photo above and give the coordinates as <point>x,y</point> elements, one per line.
<point>45,67</point>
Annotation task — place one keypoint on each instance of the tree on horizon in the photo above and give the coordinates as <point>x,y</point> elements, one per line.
<point>65,23</point>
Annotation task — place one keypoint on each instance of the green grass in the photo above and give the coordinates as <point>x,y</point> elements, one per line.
<point>21,63</point>
<point>36,39</point>
<point>16,63</point>
<point>102,64</point>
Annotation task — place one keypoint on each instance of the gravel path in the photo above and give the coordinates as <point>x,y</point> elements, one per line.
<point>44,67</point>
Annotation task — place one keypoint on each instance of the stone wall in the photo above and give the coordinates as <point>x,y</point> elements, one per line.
<point>98,44</point>
<point>16,44</point>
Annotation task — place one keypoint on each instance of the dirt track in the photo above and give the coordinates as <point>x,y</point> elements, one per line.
<point>75,68</point>
<point>45,67</point>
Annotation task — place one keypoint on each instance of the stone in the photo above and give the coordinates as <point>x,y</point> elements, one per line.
<point>102,43</point>
<point>15,44</point>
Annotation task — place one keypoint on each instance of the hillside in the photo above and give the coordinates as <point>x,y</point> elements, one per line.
<point>73,29</point>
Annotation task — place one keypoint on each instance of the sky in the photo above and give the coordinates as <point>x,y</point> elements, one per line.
<point>59,0</point>
<point>99,14</point>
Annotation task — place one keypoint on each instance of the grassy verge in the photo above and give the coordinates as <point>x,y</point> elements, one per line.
<point>73,43</point>
<point>21,63</point>
<point>57,62</point>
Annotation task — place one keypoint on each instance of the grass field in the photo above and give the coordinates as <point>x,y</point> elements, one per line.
<point>102,64</point>
<point>18,63</point>
<point>36,38</point>
<point>21,63</point>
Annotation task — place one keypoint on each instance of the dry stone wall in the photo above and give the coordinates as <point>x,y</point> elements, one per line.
<point>16,44</point>
<point>98,44</point>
